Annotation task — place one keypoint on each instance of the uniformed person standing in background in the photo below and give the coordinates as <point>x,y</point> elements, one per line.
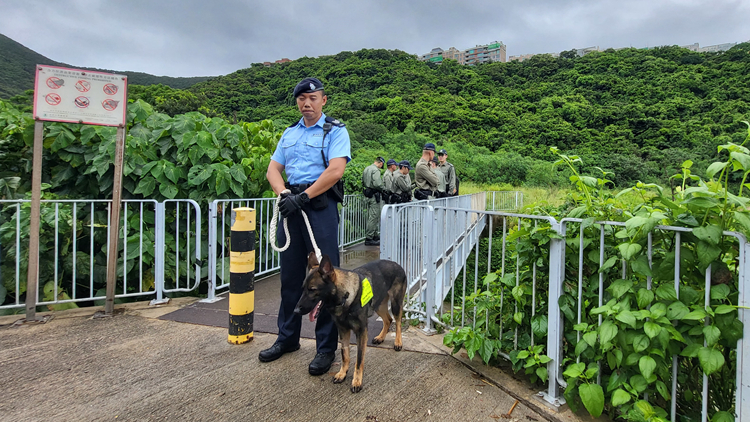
<point>424,176</point>
<point>402,183</point>
<point>448,170</point>
<point>388,180</point>
<point>310,177</point>
<point>373,190</point>
<point>440,192</point>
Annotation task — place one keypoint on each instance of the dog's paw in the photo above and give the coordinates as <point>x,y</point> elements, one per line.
<point>356,388</point>
<point>339,378</point>
<point>397,347</point>
<point>377,340</point>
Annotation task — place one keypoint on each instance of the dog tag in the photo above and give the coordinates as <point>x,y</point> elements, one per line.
<point>366,292</point>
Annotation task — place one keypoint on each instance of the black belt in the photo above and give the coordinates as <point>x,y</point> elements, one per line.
<point>297,188</point>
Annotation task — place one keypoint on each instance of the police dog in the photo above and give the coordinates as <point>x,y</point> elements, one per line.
<point>351,297</point>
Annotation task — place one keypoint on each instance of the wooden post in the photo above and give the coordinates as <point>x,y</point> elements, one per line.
<point>32,273</point>
<point>114,221</point>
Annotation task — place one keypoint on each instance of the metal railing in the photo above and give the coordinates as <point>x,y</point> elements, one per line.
<point>504,200</point>
<point>351,229</point>
<point>436,242</point>
<point>155,253</point>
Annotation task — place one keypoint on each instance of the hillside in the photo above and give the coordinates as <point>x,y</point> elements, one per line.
<point>639,113</point>
<point>17,70</point>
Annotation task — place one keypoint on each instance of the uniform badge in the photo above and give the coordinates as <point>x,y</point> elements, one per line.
<point>312,86</point>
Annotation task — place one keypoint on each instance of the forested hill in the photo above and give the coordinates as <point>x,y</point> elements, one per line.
<point>17,70</point>
<point>633,110</point>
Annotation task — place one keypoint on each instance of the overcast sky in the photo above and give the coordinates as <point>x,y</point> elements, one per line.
<point>208,38</point>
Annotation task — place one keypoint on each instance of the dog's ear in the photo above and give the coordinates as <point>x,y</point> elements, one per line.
<point>326,267</point>
<point>312,260</point>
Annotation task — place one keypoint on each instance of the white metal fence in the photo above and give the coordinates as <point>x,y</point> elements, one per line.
<point>433,241</point>
<point>159,249</point>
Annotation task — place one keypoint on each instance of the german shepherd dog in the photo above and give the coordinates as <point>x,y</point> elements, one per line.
<point>351,297</point>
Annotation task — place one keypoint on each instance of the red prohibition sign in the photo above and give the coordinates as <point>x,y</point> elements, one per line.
<point>109,105</point>
<point>82,102</point>
<point>54,82</point>
<point>83,86</point>
<point>110,89</point>
<point>52,99</point>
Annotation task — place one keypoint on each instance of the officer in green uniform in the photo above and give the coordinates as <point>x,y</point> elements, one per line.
<point>388,180</point>
<point>373,185</point>
<point>402,183</point>
<point>424,176</point>
<point>449,171</point>
<point>440,193</point>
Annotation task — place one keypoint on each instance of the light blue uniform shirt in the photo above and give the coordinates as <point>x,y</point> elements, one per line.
<point>299,150</point>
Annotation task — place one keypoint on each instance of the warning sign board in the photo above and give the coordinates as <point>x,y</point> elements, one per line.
<point>80,96</point>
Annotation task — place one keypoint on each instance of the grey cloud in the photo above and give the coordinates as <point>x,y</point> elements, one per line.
<point>192,37</point>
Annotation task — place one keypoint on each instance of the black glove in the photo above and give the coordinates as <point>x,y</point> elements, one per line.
<point>291,204</point>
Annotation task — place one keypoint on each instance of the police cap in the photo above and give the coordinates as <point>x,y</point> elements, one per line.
<point>429,147</point>
<point>307,85</point>
<point>405,163</point>
<point>442,152</point>
<point>391,162</point>
<point>381,159</point>
<point>435,160</point>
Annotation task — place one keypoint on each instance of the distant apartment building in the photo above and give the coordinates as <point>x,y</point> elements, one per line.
<point>493,52</point>
<point>524,57</point>
<point>284,60</point>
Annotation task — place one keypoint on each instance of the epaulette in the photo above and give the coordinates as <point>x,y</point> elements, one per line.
<point>334,122</point>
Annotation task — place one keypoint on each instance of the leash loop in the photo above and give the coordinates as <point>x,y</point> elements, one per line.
<point>274,224</point>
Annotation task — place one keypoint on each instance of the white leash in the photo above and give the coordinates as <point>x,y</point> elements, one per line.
<point>274,224</point>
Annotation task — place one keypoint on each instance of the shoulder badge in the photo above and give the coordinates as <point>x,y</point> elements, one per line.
<point>334,122</point>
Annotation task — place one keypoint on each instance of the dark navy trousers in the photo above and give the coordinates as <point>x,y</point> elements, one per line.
<point>324,224</point>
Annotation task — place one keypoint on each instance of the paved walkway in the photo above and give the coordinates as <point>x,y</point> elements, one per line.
<point>137,366</point>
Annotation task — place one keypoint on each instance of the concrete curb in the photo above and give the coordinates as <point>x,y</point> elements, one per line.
<point>506,381</point>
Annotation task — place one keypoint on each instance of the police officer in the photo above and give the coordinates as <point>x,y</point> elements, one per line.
<point>388,180</point>
<point>373,191</point>
<point>424,176</point>
<point>440,192</point>
<point>402,183</point>
<point>310,176</point>
<point>449,171</point>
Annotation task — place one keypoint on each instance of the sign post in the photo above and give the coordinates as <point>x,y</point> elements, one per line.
<point>85,97</point>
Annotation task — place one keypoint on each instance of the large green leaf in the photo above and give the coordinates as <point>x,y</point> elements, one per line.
<point>592,397</point>
<point>169,190</point>
<point>626,317</point>
<point>644,298</point>
<point>712,334</point>
<point>640,343</point>
<point>619,288</point>
<point>620,397</point>
<point>199,174</point>
<point>652,329</point>
<point>710,234</point>
<point>711,360</point>
<point>607,332</point>
<point>629,250</point>
<point>646,364</point>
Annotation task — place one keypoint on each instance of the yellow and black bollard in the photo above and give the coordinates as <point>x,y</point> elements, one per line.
<point>242,274</point>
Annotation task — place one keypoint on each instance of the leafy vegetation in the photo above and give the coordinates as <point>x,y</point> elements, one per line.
<point>185,156</point>
<point>621,348</point>
<point>635,113</point>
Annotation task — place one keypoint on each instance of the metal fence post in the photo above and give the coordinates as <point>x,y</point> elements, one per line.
<point>428,259</point>
<point>555,333</point>
<point>742,402</point>
<point>160,226</point>
<point>212,216</point>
